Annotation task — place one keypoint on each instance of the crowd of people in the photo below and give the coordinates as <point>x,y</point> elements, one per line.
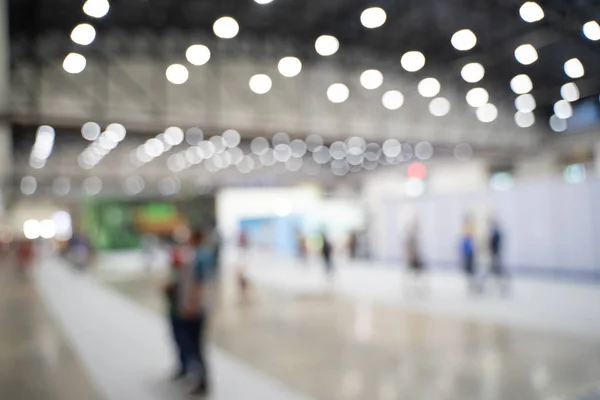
<point>471,250</point>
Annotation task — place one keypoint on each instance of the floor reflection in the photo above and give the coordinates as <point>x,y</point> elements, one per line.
<point>335,348</point>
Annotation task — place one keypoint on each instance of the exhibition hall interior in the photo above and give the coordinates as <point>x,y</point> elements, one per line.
<point>299,200</point>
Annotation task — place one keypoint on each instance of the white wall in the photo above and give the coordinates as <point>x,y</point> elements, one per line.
<point>453,177</point>
<point>234,205</point>
<point>549,225</point>
<point>382,188</point>
<point>538,166</point>
<point>26,209</point>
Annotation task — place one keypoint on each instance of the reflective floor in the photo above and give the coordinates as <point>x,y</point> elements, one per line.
<point>321,344</point>
<point>36,359</point>
<point>330,347</point>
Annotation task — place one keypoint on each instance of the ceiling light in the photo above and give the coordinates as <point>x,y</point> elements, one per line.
<point>74,63</point>
<point>429,87</point>
<point>280,138</point>
<point>356,145</point>
<point>31,229</point>
<point>439,106</point>
<point>464,40</point>
<point>392,148</point>
<point>289,66</point>
<point>524,119</point>
<point>591,30</point>
<point>373,17</point>
<point>119,130</point>
<point>47,229</point>
<point>531,12</point>
<point>521,84</point>
<point>321,155</point>
<point>226,28</point>
<point>259,145</point>
<point>371,79</point>
<point>154,147</point>
<point>477,97</point>
<point>92,185</point>
<point>90,131</point>
<point>525,103</point>
<point>294,164</point>
<point>96,8</point>
<point>236,154</point>
<point>574,68</point>
<point>424,150</point>
<point>327,45</point>
<point>246,165</point>
<point>177,74</point>
<point>260,84</point>
<point>61,186</point>
<point>563,109</point>
<point>558,124</point>
<point>338,150</point>
<point>263,1</point>
<point>282,152</point>
<point>232,138</point>
<point>174,136</point>
<point>472,72</point>
<point>392,100</point>
<point>194,136</point>
<point>28,185</point>
<point>526,54</point>
<point>338,93</point>
<point>569,92</point>
<point>133,185</point>
<point>198,54</point>
<point>299,148</point>
<point>83,34</point>
<point>314,141</point>
<point>413,61</point>
<point>487,113</point>
<point>268,158</point>
<point>107,142</point>
<point>463,152</point>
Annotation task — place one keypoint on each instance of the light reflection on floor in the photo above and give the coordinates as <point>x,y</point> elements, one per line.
<point>332,347</point>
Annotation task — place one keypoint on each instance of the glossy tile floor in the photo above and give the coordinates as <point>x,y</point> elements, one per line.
<point>320,343</point>
<point>36,360</point>
<point>330,347</point>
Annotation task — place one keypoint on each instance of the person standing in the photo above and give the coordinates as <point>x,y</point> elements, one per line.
<point>195,285</point>
<point>326,251</point>
<point>181,255</point>
<point>467,247</point>
<point>495,248</point>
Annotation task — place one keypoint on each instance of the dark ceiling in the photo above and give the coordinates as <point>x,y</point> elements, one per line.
<point>425,25</point>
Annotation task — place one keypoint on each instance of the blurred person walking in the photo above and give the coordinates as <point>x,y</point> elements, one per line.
<point>301,244</point>
<point>326,252</point>
<point>413,257</point>
<point>467,248</point>
<point>150,244</point>
<point>80,251</point>
<point>25,254</point>
<point>353,245</point>
<point>496,268</point>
